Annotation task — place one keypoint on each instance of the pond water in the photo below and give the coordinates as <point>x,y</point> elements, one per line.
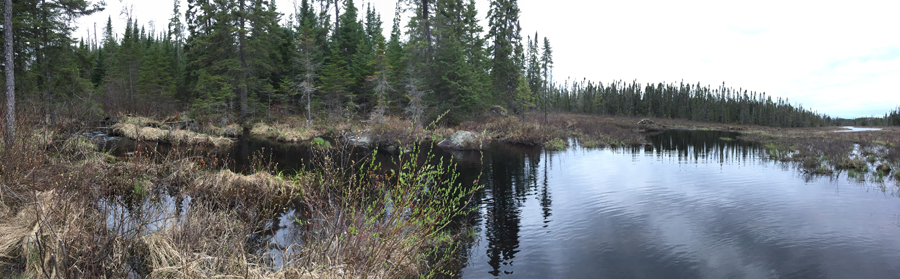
<point>856,129</point>
<point>692,205</point>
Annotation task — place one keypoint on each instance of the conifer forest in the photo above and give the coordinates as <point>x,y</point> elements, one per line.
<point>236,140</point>
<point>241,60</point>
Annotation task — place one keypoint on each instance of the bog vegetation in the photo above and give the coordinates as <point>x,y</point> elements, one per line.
<point>221,69</point>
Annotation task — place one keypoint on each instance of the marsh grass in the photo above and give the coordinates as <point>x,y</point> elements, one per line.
<point>68,211</point>
<point>173,136</point>
<point>284,132</point>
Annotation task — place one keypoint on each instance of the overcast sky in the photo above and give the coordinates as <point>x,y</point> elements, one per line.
<point>842,59</point>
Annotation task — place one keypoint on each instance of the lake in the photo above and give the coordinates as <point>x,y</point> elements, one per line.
<point>695,204</point>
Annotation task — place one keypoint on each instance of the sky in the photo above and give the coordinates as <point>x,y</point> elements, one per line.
<point>840,58</point>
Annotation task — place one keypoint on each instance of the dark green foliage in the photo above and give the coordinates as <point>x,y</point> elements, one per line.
<point>459,83</point>
<point>235,60</point>
<point>684,101</point>
<point>506,50</point>
<point>48,65</point>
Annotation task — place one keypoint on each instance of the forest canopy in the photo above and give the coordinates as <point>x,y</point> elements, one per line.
<point>240,61</point>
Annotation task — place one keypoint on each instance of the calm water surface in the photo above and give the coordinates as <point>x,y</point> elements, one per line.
<point>856,129</point>
<point>694,205</point>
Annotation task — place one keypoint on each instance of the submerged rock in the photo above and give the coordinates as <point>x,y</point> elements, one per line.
<point>463,140</point>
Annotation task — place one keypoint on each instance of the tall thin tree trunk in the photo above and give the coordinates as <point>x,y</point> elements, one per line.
<point>427,22</point>
<point>10,118</point>
<point>51,111</point>
<point>242,55</point>
<point>337,20</point>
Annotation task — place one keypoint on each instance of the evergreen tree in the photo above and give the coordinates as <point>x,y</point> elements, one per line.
<point>42,42</point>
<point>457,84</point>
<point>547,70</point>
<point>334,82</point>
<point>506,50</point>
<point>380,82</point>
<point>307,56</point>
<point>395,56</point>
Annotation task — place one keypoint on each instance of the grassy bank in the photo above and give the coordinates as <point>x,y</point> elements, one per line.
<point>68,211</point>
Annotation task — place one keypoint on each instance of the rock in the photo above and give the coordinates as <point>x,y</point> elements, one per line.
<point>231,133</point>
<point>499,111</point>
<point>359,140</point>
<point>883,168</point>
<point>463,140</point>
<point>646,122</point>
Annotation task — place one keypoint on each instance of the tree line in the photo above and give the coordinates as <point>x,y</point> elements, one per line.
<point>891,118</point>
<point>239,60</point>
<point>683,101</point>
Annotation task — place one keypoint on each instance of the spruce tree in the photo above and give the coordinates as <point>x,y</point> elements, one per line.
<point>380,81</point>
<point>395,56</point>
<point>307,56</point>
<point>506,50</point>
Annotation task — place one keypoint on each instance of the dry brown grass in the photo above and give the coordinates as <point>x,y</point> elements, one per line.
<point>395,131</point>
<point>67,211</point>
<point>177,136</point>
<point>206,243</point>
<point>284,132</point>
<point>590,130</point>
<point>227,186</point>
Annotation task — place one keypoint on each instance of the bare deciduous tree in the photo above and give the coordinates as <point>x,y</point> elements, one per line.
<point>9,120</point>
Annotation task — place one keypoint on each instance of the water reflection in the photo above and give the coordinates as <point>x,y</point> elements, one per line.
<point>691,205</point>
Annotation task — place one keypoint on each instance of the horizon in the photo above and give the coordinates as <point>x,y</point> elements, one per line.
<point>837,60</point>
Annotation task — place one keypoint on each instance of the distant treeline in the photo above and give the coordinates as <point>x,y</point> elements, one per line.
<point>685,101</point>
<point>891,118</point>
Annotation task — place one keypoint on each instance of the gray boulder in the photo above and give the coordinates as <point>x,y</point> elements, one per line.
<point>463,140</point>
<point>646,122</point>
<point>499,111</point>
<point>358,140</point>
